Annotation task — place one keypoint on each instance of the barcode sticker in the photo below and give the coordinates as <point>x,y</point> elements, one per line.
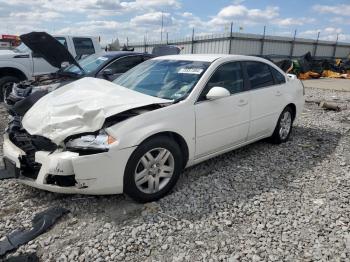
<point>194,71</point>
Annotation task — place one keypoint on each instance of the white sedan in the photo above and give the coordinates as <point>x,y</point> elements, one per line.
<point>135,135</point>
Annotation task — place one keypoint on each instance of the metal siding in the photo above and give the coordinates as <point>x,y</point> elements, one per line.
<point>273,48</point>
<point>342,51</point>
<point>324,50</point>
<point>245,47</point>
<point>301,49</point>
<point>250,44</point>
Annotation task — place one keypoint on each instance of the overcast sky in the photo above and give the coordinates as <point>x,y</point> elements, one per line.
<point>136,18</point>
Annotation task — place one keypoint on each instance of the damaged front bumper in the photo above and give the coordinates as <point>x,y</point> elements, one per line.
<point>69,172</point>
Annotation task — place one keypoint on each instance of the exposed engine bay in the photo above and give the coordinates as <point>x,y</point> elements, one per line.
<point>26,93</point>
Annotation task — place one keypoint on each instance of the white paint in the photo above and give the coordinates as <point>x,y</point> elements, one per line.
<point>209,127</point>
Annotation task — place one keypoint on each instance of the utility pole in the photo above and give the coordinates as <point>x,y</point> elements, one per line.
<point>192,45</point>
<point>231,38</point>
<point>263,42</point>
<point>161,30</point>
<point>335,46</point>
<point>316,45</point>
<point>293,44</point>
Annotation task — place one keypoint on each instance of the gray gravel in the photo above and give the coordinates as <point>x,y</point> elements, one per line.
<point>259,203</point>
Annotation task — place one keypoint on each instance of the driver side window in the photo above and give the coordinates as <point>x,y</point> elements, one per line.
<point>229,76</point>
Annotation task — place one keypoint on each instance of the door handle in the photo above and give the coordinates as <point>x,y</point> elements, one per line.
<point>242,102</point>
<point>278,93</point>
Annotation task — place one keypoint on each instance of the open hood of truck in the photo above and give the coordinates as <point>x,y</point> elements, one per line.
<point>82,107</point>
<point>49,48</point>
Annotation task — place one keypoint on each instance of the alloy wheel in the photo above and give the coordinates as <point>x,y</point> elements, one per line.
<point>285,125</point>
<point>154,170</point>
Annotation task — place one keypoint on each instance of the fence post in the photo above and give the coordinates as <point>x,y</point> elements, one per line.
<point>192,44</point>
<point>167,38</point>
<point>335,46</point>
<point>231,38</point>
<point>293,44</point>
<point>316,44</point>
<point>263,41</point>
<point>145,45</point>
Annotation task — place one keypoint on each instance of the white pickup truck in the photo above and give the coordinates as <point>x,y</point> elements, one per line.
<point>21,63</point>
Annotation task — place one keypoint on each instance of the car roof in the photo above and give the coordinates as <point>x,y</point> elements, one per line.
<point>112,54</point>
<point>206,57</point>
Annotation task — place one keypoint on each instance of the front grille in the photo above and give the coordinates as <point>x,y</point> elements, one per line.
<point>30,145</point>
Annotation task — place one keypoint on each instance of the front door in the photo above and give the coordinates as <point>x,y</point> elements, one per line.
<point>223,123</point>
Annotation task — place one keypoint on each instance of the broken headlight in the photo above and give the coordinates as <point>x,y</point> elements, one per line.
<point>98,142</point>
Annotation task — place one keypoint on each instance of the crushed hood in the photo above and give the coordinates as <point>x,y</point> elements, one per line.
<point>81,107</point>
<point>49,48</point>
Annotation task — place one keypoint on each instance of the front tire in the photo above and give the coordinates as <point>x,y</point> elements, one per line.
<point>153,169</point>
<point>283,128</point>
<point>6,83</point>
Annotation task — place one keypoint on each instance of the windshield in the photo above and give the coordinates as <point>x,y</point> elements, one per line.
<point>89,64</point>
<point>168,79</point>
<point>22,48</point>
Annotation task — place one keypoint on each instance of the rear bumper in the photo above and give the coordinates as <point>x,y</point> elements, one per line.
<point>98,174</point>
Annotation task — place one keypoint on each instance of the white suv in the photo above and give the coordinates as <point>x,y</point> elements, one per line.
<point>23,63</point>
<point>137,134</point>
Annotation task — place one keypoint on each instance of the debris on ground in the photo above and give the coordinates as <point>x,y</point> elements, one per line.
<point>261,202</point>
<point>23,258</point>
<point>40,224</point>
<point>309,67</point>
<point>335,104</point>
<point>330,106</point>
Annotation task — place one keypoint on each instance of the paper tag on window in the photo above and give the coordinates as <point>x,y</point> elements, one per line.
<point>193,71</point>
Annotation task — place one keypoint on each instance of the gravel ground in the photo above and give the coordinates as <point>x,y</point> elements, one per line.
<point>259,203</point>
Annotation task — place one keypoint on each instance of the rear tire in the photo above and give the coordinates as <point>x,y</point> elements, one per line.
<point>6,86</point>
<point>153,169</point>
<point>284,127</point>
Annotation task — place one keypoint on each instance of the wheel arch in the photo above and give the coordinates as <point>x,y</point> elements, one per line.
<point>294,110</point>
<point>11,71</point>
<point>180,140</point>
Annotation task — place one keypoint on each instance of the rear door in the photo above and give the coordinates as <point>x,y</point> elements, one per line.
<point>267,99</point>
<point>224,122</point>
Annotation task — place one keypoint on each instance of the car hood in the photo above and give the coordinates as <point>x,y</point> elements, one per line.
<point>49,48</point>
<point>81,107</point>
<point>7,52</point>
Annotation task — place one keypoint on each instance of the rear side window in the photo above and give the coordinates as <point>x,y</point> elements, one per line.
<point>259,75</point>
<point>83,46</point>
<point>62,40</point>
<point>124,64</point>
<point>228,76</point>
<point>279,78</point>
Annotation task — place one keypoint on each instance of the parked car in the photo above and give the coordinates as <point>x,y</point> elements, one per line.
<point>136,134</point>
<point>109,66</point>
<point>25,62</point>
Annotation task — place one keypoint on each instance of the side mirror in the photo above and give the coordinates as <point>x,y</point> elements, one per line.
<point>64,65</point>
<point>217,92</point>
<point>107,72</point>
